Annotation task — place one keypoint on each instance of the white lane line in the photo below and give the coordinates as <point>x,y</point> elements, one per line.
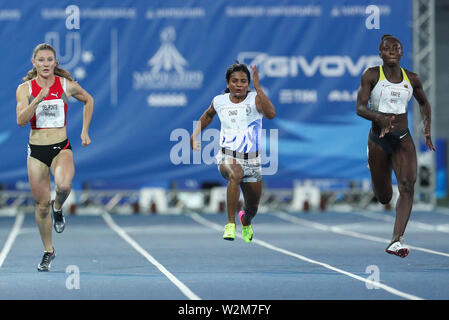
<point>196,217</point>
<point>384,217</point>
<point>12,237</point>
<point>353,234</point>
<point>184,289</point>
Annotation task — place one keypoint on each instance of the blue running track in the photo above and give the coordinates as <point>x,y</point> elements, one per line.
<point>294,256</point>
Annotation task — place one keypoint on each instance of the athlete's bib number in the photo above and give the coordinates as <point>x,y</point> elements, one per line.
<point>393,100</point>
<point>50,114</point>
<point>234,118</point>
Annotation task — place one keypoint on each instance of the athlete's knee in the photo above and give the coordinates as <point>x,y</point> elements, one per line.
<point>406,187</point>
<point>64,187</point>
<point>43,208</point>
<point>251,211</point>
<point>236,176</point>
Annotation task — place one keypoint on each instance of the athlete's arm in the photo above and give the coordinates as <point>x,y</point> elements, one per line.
<point>204,121</point>
<point>263,104</point>
<point>367,84</point>
<point>24,110</point>
<point>424,106</point>
<point>76,91</point>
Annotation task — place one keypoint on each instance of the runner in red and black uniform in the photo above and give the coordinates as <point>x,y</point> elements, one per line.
<point>42,101</point>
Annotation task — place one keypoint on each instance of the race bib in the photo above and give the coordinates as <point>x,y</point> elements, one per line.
<point>50,114</point>
<point>234,118</point>
<point>394,99</point>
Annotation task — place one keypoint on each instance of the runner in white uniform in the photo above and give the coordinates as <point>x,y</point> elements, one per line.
<point>240,112</point>
<point>241,129</point>
<point>383,98</point>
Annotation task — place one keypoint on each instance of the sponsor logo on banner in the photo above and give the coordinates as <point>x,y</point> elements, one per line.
<point>92,13</point>
<point>10,14</point>
<point>290,96</point>
<point>168,72</point>
<point>274,11</point>
<point>342,96</point>
<point>167,100</point>
<point>294,66</point>
<point>357,10</point>
<point>176,13</point>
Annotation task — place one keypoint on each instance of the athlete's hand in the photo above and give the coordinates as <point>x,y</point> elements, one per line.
<point>256,82</point>
<point>427,135</point>
<point>43,94</point>
<point>429,142</point>
<point>195,144</point>
<point>85,140</point>
<point>385,123</point>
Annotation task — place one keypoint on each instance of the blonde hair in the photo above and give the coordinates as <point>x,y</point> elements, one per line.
<point>58,71</point>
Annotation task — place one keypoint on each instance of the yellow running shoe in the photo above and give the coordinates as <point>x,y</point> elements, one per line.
<point>247,231</point>
<point>229,232</point>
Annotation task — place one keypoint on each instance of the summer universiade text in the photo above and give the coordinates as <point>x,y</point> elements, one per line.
<point>227,309</point>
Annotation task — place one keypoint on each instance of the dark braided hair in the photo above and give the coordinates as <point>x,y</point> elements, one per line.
<point>237,66</point>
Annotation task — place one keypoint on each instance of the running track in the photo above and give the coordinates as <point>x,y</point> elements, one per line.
<point>294,256</point>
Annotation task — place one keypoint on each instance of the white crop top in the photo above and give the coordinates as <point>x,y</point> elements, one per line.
<point>388,97</point>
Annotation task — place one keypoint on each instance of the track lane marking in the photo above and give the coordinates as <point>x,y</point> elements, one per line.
<point>12,237</point>
<point>199,219</point>
<point>181,286</point>
<point>326,228</point>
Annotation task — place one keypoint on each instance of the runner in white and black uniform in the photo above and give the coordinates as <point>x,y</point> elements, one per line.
<point>240,112</point>
<point>383,98</point>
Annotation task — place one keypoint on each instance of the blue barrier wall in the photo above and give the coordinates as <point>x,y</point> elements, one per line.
<point>153,67</point>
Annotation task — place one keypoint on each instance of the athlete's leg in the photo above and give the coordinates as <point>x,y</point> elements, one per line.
<point>252,192</point>
<point>405,168</point>
<point>39,178</point>
<point>380,167</point>
<point>233,172</point>
<point>63,170</point>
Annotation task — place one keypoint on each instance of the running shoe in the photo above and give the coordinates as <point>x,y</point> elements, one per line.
<point>229,232</point>
<point>247,231</point>
<point>398,248</point>
<point>58,218</point>
<point>46,260</point>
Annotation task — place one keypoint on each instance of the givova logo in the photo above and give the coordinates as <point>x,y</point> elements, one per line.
<point>294,66</point>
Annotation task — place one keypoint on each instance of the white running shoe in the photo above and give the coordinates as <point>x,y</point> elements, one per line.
<point>398,248</point>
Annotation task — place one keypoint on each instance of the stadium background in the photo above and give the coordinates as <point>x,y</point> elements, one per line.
<point>154,67</point>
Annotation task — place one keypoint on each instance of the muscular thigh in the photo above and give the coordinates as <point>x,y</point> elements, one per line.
<point>229,166</point>
<point>405,162</point>
<point>39,178</point>
<point>62,167</point>
<point>380,167</point>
